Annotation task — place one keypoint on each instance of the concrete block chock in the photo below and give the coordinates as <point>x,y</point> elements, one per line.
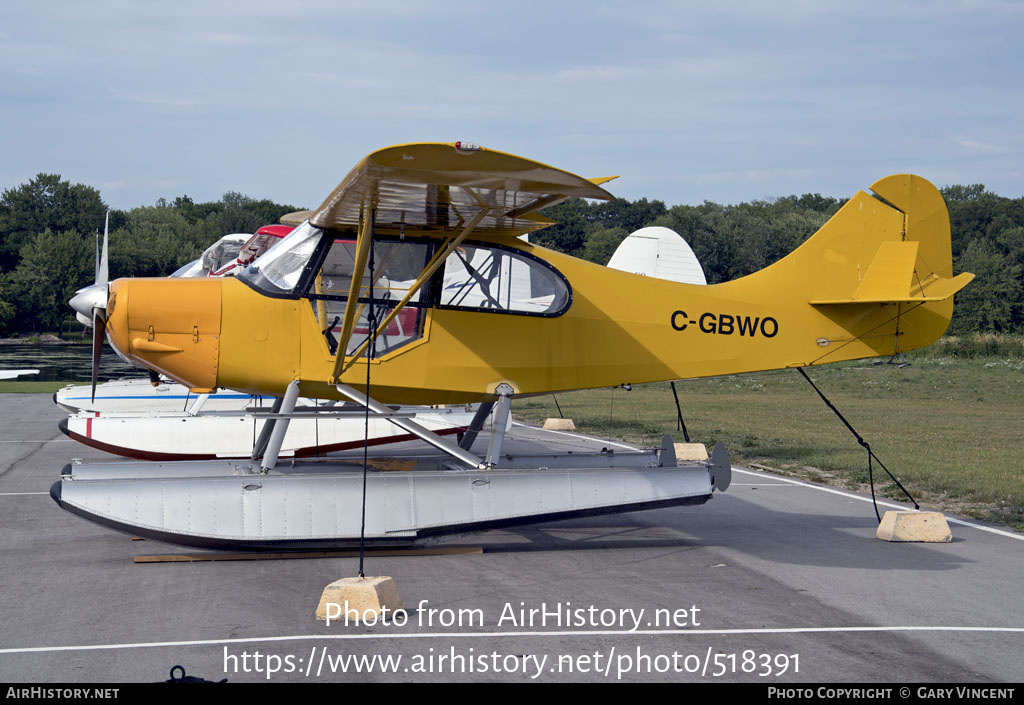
<point>359,600</point>
<point>929,527</point>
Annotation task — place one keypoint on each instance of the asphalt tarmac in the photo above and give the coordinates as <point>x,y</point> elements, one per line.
<point>771,582</point>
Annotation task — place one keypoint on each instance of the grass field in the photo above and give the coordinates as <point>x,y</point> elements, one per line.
<point>30,387</point>
<point>952,430</point>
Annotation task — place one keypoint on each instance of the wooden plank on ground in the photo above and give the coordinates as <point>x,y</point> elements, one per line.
<point>348,553</point>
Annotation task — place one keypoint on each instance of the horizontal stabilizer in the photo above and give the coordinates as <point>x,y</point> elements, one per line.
<point>940,289</point>
<point>893,278</point>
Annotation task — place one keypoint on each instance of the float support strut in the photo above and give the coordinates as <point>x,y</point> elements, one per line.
<point>291,395</point>
<point>499,422</point>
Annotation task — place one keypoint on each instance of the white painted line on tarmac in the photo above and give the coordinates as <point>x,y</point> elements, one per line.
<point>19,494</point>
<point>758,484</point>
<point>486,635</point>
<point>890,505</point>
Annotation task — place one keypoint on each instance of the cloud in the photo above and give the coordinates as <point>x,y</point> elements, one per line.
<point>230,40</point>
<point>596,73</point>
<point>164,101</point>
<point>982,147</point>
<point>728,101</point>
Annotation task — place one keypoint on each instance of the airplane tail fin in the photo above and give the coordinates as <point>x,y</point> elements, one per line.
<point>878,276</point>
<point>917,268</point>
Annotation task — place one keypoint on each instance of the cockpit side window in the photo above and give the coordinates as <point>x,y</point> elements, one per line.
<point>397,265</point>
<point>494,279</point>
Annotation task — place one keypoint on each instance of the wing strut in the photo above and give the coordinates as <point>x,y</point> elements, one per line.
<point>442,444</point>
<point>364,242</point>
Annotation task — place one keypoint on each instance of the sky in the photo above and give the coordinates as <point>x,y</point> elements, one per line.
<point>685,101</point>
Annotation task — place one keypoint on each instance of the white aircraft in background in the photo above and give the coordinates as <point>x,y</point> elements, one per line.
<point>233,253</point>
<point>11,374</point>
<point>206,435</point>
<point>660,253</point>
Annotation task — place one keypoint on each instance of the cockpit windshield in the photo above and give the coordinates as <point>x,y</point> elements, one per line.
<point>192,269</point>
<point>280,268</point>
<point>256,246</point>
<point>221,254</point>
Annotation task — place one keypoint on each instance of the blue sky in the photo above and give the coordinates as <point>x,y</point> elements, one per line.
<point>726,101</point>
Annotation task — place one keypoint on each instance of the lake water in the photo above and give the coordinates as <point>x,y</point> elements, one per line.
<point>65,362</point>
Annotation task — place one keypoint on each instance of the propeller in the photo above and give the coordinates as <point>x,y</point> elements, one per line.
<point>90,304</point>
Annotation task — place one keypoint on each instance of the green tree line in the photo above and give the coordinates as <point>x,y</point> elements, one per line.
<point>732,241</point>
<point>48,240</point>
<point>48,226</point>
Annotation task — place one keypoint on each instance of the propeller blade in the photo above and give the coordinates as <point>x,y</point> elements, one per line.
<point>154,378</point>
<point>88,299</point>
<point>99,334</point>
<point>103,268</point>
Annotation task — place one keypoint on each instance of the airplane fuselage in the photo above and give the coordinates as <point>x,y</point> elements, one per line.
<point>606,328</point>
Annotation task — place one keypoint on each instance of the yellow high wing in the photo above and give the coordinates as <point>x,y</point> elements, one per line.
<point>876,279</point>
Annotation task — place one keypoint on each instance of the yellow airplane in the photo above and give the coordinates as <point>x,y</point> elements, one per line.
<point>411,279</point>
<point>875,280</point>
